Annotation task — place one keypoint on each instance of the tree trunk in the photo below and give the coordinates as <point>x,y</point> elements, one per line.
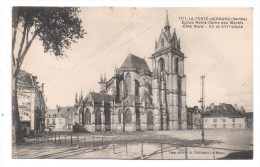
<point>17,134</point>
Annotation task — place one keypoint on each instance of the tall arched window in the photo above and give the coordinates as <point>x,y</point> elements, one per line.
<point>161,65</point>
<point>98,117</point>
<point>137,86</point>
<point>120,90</point>
<point>119,116</point>
<point>128,117</point>
<point>88,117</point>
<point>148,93</point>
<point>127,85</point>
<point>162,42</point>
<point>150,120</point>
<point>176,64</point>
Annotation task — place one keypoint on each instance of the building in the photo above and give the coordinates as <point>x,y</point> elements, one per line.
<point>138,99</point>
<point>194,118</point>
<point>249,119</point>
<point>223,116</point>
<point>60,119</point>
<point>31,103</point>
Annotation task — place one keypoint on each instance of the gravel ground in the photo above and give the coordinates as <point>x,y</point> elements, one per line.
<point>229,144</point>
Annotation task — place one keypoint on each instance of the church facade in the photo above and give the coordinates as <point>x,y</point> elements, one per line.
<point>137,98</point>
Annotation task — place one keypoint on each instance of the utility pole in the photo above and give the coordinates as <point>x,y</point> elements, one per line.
<point>202,101</point>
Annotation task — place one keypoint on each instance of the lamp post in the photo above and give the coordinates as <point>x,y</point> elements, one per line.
<point>202,101</point>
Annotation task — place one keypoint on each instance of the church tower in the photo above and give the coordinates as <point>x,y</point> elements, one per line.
<point>169,81</point>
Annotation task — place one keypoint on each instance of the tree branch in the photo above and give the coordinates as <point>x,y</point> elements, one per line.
<point>14,38</point>
<point>27,34</point>
<point>22,43</point>
<point>27,47</point>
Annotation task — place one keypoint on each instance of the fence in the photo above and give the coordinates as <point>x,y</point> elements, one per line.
<point>133,149</point>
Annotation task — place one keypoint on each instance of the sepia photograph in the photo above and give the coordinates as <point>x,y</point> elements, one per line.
<point>132,83</point>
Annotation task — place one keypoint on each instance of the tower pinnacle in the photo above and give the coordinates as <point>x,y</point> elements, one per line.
<point>76,98</point>
<point>167,26</point>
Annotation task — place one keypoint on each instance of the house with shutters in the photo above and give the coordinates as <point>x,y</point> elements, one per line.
<point>224,116</point>
<point>60,119</point>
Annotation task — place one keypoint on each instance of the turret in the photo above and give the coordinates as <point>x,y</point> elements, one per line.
<point>102,83</point>
<point>76,99</point>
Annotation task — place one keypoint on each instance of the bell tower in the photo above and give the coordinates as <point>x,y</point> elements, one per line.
<point>169,81</point>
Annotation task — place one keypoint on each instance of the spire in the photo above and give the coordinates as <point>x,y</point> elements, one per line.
<point>101,77</point>
<point>104,77</point>
<point>174,33</point>
<point>81,95</point>
<point>76,98</point>
<point>167,20</point>
<point>179,44</point>
<point>174,39</point>
<point>167,27</point>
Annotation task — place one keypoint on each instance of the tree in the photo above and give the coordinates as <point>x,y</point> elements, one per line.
<point>55,27</point>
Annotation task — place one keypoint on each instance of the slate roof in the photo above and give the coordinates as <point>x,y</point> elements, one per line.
<point>223,110</point>
<point>194,109</point>
<point>133,61</point>
<point>25,79</point>
<point>63,112</point>
<point>98,97</point>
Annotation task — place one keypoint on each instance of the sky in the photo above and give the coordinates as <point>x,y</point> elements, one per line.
<point>224,56</point>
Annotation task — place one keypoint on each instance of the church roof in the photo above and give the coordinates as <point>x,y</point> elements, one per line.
<point>133,61</point>
<point>98,97</point>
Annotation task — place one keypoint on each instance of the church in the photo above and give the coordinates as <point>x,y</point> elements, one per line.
<point>137,98</point>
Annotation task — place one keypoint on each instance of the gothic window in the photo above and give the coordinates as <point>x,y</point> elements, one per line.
<point>120,89</point>
<point>107,117</point>
<point>162,42</point>
<point>161,65</point>
<point>128,75</point>
<point>137,86</point>
<point>128,117</point>
<point>98,117</point>
<point>149,88</point>
<point>148,92</point>
<point>127,85</point>
<point>119,116</point>
<point>138,119</point>
<point>125,89</point>
<point>88,117</point>
<point>150,118</point>
<point>177,66</point>
<point>188,118</point>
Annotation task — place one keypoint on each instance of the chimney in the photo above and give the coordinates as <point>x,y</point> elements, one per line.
<point>212,106</point>
<point>235,106</point>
